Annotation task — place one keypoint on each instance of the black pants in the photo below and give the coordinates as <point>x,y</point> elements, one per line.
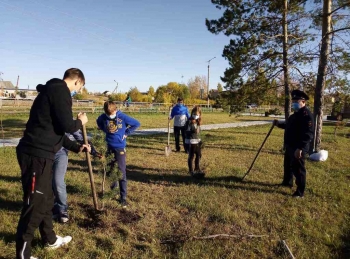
<point>36,176</point>
<point>296,167</point>
<point>194,149</point>
<point>177,131</point>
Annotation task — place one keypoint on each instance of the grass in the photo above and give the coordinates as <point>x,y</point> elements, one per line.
<point>14,124</point>
<point>168,207</point>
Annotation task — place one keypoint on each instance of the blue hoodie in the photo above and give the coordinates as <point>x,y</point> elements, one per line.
<point>116,128</point>
<point>180,113</point>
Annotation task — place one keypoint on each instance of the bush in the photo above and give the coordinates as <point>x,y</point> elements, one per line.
<point>275,111</point>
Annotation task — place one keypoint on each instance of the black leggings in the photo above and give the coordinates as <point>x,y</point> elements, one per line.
<point>194,149</point>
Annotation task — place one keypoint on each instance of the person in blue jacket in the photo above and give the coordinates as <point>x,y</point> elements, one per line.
<point>117,126</point>
<point>60,209</point>
<point>180,115</point>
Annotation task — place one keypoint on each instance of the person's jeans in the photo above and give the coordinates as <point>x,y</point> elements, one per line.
<point>120,160</point>
<point>58,185</point>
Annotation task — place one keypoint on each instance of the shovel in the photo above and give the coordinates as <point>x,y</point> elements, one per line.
<point>92,183</point>
<point>167,148</point>
<point>262,145</point>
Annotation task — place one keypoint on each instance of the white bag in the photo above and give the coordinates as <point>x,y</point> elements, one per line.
<point>320,156</point>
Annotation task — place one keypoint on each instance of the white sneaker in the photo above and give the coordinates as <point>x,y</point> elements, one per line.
<point>61,241</point>
<point>32,257</point>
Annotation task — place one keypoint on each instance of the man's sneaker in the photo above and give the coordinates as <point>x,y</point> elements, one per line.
<point>64,217</point>
<point>297,195</point>
<point>123,203</point>
<point>61,241</point>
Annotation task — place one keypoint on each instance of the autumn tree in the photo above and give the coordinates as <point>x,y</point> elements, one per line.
<point>219,87</point>
<point>135,94</point>
<point>195,85</point>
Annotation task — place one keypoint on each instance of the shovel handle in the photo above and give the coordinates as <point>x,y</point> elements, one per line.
<point>91,176</point>
<point>168,132</point>
<point>262,145</point>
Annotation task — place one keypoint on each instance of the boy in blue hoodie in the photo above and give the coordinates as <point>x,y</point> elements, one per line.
<point>117,127</point>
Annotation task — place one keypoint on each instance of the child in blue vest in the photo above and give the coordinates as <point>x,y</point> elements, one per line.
<point>117,127</point>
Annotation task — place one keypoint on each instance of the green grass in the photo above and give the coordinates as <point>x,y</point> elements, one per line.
<point>14,124</point>
<point>168,207</point>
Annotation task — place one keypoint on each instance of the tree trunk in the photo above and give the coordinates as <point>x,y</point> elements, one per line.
<point>322,71</point>
<point>285,62</point>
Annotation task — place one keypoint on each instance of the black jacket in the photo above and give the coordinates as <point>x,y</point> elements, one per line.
<point>192,131</point>
<point>299,129</point>
<point>50,117</point>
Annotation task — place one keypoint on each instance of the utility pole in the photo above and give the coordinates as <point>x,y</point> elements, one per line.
<point>208,78</point>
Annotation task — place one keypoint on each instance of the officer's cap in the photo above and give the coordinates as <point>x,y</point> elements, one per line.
<point>299,95</point>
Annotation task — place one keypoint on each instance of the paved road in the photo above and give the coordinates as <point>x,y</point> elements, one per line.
<point>12,142</point>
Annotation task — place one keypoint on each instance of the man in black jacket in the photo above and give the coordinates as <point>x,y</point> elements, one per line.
<point>297,138</point>
<point>50,117</point>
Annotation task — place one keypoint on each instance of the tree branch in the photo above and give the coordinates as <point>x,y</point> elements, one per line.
<point>334,31</point>
<point>340,7</point>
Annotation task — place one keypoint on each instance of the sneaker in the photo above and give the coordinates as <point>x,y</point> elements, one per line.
<point>61,241</point>
<point>32,257</point>
<point>297,195</point>
<point>63,217</point>
<point>123,203</point>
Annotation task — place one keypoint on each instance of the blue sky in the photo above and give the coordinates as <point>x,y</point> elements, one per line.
<point>135,42</point>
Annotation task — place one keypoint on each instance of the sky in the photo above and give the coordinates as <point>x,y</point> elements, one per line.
<point>138,43</point>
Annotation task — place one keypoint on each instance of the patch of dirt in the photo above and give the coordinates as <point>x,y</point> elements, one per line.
<point>128,217</point>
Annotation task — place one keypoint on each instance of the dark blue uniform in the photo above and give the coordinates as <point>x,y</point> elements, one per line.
<point>298,135</point>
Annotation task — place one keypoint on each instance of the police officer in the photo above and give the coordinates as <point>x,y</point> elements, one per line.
<point>297,138</point>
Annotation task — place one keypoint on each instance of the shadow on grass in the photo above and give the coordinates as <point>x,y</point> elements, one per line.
<point>8,178</point>
<point>9,205</point>
<point>246,148</point>
<point>8,237</point>
<point>344,251</point>
<point>135,173</point>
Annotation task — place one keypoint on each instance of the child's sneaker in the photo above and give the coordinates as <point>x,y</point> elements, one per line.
<point>61,241</point>
<point>123,203</point>
<point>63,217</point>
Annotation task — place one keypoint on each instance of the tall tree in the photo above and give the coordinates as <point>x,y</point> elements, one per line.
<point>135,94</point>
<point>196,85</point>
<point>330,29</point>
<point>219,87</point>
<point>264,33</point>
<point>151,91</point>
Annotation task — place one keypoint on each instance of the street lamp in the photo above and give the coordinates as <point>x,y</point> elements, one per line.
<point>208,79</point>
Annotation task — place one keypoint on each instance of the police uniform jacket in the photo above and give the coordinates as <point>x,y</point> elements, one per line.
<point>299,129</point>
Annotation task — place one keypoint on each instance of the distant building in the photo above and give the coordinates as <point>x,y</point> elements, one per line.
<point>7,89</point>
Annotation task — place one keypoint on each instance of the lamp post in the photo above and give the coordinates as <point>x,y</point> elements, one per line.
<point>208,79</point>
